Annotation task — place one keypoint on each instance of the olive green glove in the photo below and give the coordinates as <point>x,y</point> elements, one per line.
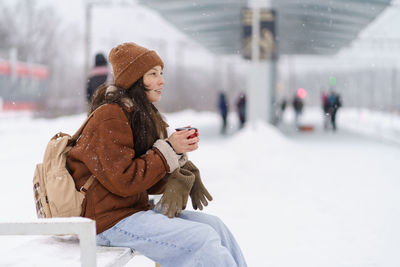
<point>199,193</point>
<point>176,193</point>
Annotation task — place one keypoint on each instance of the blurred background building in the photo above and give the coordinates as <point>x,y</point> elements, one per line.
<point>352,47</point>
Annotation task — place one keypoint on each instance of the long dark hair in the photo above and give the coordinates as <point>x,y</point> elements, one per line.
<point>145,120</point>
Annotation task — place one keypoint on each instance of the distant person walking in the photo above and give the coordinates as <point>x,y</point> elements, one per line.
<point>223,111</point>
<point>97,76</point>
<point>241,109</point>
<point>298,109</point>
<point>280,111</point>
<point>335,103</point>
<point>325,109</point>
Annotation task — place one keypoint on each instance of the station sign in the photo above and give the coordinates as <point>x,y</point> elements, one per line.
<point>267,42</point>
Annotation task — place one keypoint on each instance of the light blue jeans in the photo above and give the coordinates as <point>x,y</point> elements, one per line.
<point>193,239</point>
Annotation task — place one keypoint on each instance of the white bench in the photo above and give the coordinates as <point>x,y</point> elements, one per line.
<point>75,246</point>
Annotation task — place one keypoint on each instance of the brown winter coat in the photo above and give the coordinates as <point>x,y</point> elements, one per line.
<point>122,183</point>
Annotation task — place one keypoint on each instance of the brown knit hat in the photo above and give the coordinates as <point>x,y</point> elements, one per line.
<point>130,62</point>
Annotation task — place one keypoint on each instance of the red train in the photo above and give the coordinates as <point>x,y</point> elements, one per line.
<point>23,86</point>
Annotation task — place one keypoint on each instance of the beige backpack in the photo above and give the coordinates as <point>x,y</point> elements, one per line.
<point>53,186</point>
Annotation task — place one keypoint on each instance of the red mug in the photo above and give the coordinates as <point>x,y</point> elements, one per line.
<point>189,128</point>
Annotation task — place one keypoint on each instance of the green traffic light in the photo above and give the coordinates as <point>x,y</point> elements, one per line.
<point>332,80</point>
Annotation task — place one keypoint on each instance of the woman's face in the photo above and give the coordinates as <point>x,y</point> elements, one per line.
<point>154,82</point>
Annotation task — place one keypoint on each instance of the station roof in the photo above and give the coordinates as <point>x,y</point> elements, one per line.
<point>303,26</point>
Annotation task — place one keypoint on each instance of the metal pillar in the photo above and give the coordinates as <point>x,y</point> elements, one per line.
<point>262,75</point>
<point>88,34</point>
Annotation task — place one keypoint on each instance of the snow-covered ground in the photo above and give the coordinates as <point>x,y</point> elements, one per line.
<point>300,199</point>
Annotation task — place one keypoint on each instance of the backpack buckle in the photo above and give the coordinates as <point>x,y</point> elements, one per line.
<point>83,189</point>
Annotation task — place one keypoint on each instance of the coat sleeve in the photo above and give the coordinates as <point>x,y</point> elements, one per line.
<point>113,160</point>
<point>159,187</point>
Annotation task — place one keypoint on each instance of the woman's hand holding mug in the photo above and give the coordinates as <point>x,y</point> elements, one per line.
<point>185,139</point>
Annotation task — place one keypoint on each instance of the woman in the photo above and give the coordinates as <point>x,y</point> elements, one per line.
<point>126,147</point>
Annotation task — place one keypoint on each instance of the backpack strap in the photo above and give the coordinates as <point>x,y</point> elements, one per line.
<point>86,186</point>
<point>73,140</point>
<point>78,133</point>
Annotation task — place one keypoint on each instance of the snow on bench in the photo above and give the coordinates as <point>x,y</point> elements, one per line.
<point>67,242</point>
